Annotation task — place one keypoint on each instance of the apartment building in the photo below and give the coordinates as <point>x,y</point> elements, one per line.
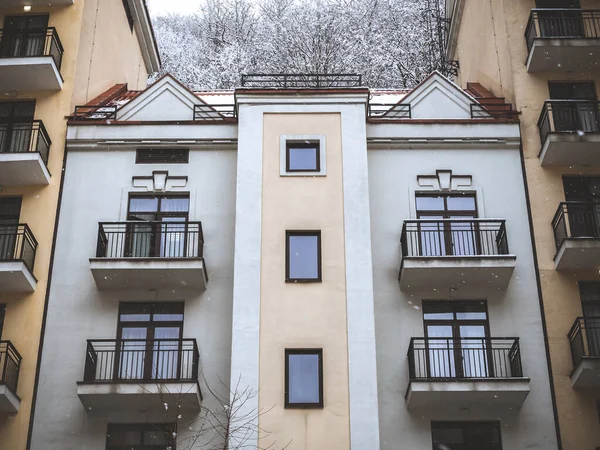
<point>54,54</point>
<point>349,268</point>
<point>544,56</point>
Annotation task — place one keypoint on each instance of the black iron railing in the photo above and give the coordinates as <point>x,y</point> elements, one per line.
<point>388,111</point>
<point>17,243</point>
<point>584,338</point>
<point>24,137</point>
<point>493,111</point>
<point>138,239</point>
<point>569,116</point>
<point>135,360</point>
<point>557,23</point>
<point>465,358</point>
<point>576,220</point>
<point>31,43</point>
<point>215,112</point>
<point>10,364</point>
<point>301,80</point>
<point>454,237</point>
<point>97,112</point>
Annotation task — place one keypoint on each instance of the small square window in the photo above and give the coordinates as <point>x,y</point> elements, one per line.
<point>303,156</point>
<point>304,378</point>
<point>303,256</point>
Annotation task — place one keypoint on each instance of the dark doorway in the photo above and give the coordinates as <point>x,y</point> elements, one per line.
<point>10,210</point>
<point>24,36</point>
<point>466,436</point>
<point>16,125</point>
<point>583,195</point>
<point>589,292</point>
<point>562,22</point>
<point>580,113</point>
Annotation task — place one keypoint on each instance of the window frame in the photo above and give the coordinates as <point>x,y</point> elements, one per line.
<point>167,428</point>
<point>129,14</point>
<point>317,234</point>
<point>293,144</point>
<point>303,351</point>
<point>465,425</point>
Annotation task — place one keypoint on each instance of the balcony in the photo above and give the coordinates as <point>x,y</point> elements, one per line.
<point>465,253</point>
<point>465,373</point>
<point>140,375</point>
<point>584,338</point>
<point>577,236</point>
<point>10,364</point>
<point>30,60</point>
<point>563,40</point>
<point>17,255</point>
<point>570,133</point>
<point>24,151</point>
<point>149,255</point>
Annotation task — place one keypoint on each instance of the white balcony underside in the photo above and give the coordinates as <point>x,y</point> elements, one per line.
<point>139,397</point>
<point>37,73</point>
<point>490,394</point>
<point>16,277</point>
<point>564,54</point>
<point>578,254</point>
<point>149,273</point>
<point>9,402</point>
<point>571,149</point>
<point>23,169</point>
<point>424,273</point>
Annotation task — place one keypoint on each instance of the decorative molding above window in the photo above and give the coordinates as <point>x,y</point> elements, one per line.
<point>444,181</point>
<point>160,181</point>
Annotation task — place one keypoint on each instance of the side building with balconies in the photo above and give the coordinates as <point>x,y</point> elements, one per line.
<point>53,54</point>
<point>544,56</point>
<point>347,273</point>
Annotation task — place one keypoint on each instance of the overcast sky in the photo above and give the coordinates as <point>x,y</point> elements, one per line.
<point>161,7</point>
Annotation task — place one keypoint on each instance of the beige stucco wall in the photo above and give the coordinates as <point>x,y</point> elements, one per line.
<point>498,62</point>
<point>304,315</point>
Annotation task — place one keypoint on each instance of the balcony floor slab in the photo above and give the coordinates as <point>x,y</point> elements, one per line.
<point>9,402</point>
<point>564,54</point>
<point>587,374</point>
<point>16,277</point>
<point>578,254</point>
<point>23,169</point>
<point>571,149</point>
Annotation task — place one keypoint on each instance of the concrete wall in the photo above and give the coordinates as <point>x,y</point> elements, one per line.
<point>498,183</point>
<point>493,52</point>
<point>96,187</point>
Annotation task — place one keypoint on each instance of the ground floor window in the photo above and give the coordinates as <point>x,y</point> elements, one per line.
<point>466,435</point>
<point>146,436</point>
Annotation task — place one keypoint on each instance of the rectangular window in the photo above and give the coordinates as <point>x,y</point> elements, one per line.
<point>162,156</point>
<point>303,256</point>
<point>466,435</point>
<point>304,378</point>
<point>24,36</point>
<point>147,436</point>
<point>303,156</point>
<point>128,13</point>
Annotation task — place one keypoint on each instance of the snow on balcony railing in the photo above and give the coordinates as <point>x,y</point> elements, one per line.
<point>301,81</point>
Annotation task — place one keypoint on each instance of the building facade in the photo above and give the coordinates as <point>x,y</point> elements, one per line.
<point>348,268</point>
<point>543,56</point>
<point>53,56</point>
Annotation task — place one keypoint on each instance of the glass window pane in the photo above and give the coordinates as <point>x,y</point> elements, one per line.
<point>168,312</point>
<point>302,158</point>
<point>303,257</point>
<point>138,204</point>
<point>438,316</point>
<point>461,203</point>
<point>177,204</point>
<point>131,312</point>
<point>430,203</point>
<point>303,378</point>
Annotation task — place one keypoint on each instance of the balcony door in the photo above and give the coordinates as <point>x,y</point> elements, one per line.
<point>578,115</point>
<point>24,36</point>
<point>561,23</point>
<point>10,210</point>
<point>584,211</point>
<point>16,119</point>
<point>590,305</point>
<point>162,227</point>
<point>149,341</point>
<point>447,238</point>
<point>457,339</point>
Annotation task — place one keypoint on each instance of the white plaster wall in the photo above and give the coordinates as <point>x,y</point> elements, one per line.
<point>398,316</point>
<point>96,186</point>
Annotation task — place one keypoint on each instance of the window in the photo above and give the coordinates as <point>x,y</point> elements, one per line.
<point>303,256</point>
<point>162,156</point>
<point>16,126</point>
<point>302,156</point>
<point>128,13</point>
<point>466,435</point>
<point>145,436</point>
<point>583,193</point>
<point>24,36</point>
<point>303,378</point>
<point>10,209</point>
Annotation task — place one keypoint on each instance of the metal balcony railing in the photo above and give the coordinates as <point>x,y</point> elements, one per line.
<point>465,358</point>
<point>138,239</point>
<point>584,338</point>
<point>388,111</point>
<point>301,80</point>
<point>10,364</point>
<point>557,23</point>
<point>454,237</point>
<point>576,220</point>
<point>138,360</point>
<point>493,111</point>
<point>17,243</point>
<point>24,137</point>
<point>31,43</point>
<point>96,112</point>
<point>569,116</point>
<point>215,112</point>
